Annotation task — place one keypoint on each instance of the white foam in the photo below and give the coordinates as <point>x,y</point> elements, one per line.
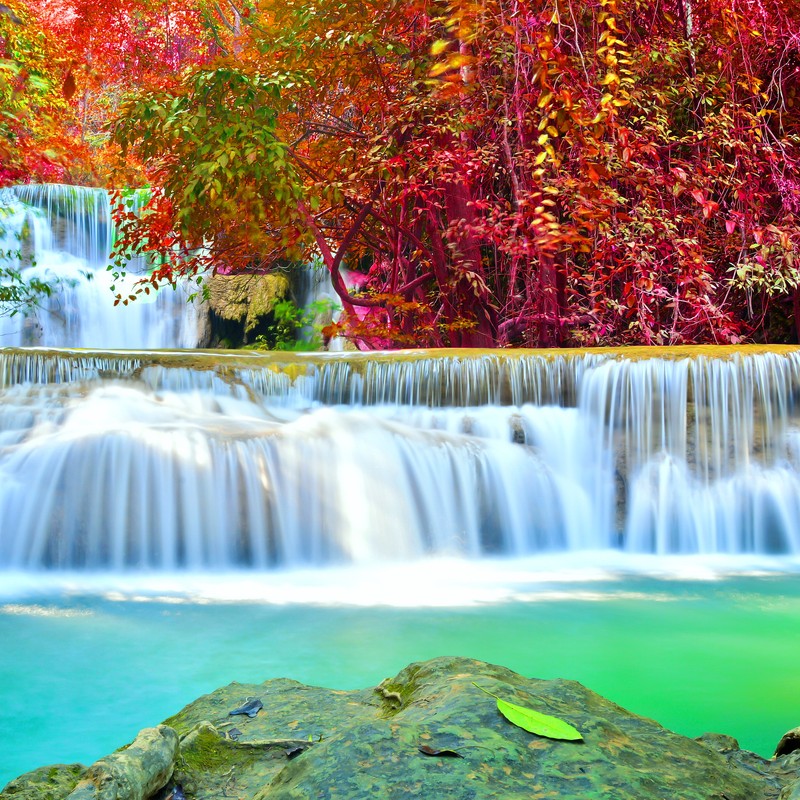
<point>427,583</point>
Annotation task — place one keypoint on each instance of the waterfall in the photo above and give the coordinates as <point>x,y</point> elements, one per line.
<point>196,460</point>
<point>62,236</point>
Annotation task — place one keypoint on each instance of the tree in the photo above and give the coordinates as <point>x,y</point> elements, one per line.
<point>30,98</point>
<point>66,64</point>
<point>612,171</point>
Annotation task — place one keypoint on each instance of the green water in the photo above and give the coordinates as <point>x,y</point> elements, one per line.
<point>79,676</point>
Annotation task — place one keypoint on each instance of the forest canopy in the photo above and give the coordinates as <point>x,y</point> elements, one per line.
<point>553,173</point>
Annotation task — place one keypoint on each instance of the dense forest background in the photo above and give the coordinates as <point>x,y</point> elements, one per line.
<point>553,173</point>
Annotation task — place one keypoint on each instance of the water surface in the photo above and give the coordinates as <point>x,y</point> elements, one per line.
<point>83,669</point>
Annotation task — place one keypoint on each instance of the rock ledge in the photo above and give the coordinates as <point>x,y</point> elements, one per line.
<point>426,733</point>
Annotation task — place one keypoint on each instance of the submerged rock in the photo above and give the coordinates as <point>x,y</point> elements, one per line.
<point>431,733</point>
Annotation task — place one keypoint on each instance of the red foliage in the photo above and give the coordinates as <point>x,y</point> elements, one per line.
<point>506,172</point>
<point>83,56</point>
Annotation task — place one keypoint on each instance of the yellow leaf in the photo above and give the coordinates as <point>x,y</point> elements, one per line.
<point>545,99</point>
<point>458,60</point>
<point>439,46</point>
<point>540,158</point>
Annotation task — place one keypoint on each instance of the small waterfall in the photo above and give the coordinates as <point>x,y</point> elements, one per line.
<point>192,460</point>
<point>318,302</point>
<point>62,236</point>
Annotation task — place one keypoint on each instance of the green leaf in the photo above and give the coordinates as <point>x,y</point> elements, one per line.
<point>535,722</point>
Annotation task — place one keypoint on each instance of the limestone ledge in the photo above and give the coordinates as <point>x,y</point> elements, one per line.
<point>427,733</point>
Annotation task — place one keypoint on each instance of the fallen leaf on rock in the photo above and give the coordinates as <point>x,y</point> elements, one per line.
<point>250,708</point>
<point>534,721</point>
<point>234,733</point>
<point>295,750</point>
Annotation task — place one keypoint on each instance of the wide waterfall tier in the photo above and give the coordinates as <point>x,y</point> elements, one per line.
<point>139,460</point>
<point>62,236</point>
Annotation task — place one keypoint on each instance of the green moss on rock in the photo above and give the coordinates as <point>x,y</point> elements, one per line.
<point>246,298</point>
<point>46,783</point>
<point>209,764</point>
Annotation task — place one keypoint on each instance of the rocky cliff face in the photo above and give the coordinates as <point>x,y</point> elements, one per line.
<point>429,732</point>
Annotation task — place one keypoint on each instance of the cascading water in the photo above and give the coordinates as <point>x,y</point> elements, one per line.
<point>134,460</point>
<point>62,236</point>
<point>191,460</point>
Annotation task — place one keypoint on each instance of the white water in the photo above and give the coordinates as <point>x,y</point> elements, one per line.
<point>62,235</point>
<point>149,462</point>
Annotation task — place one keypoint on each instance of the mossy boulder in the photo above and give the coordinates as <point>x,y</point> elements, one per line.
<point>430,732</point>
<point>366,744</point>
<point>46,783</point>
<point>246,298</point>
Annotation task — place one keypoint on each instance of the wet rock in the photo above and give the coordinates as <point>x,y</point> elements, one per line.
<point>367,744</point>
<point>46,783</point>
<point>134,773</point>
<point>430,732</point>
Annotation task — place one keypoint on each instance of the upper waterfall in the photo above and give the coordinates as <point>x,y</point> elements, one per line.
<point>133,460</point>
<point>63,235</point>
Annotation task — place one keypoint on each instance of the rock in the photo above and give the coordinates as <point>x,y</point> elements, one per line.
<point>720,742</point>
<point>210,764</point>
<point>45,783</point>
<point>246,298</point>
<point>366,744</point>
<point>429,733</point>
<point>773,775</point>
<point>205,327</point>
<point>789,743</point>
<point>134,773</point>
<point>791,792</point>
